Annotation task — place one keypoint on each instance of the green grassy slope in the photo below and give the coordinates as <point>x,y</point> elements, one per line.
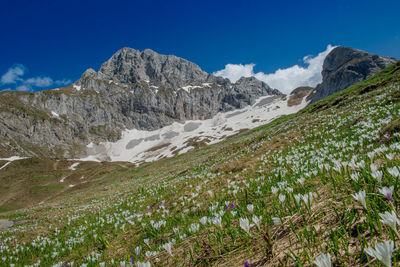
<point>280,194</point>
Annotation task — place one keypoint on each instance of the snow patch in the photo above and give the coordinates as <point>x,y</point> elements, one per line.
<point>5,165</point>
<point>189,88</point>
<point>77,87</point>
<point>73,166</point>
<point>13,158</point>
<point>138,146</point>
<point>54,114</point>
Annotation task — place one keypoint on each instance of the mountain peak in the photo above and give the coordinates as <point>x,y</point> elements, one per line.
<point>344,66</point>
<point>128,65</point>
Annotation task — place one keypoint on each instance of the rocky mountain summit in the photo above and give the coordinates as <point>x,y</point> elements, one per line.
<point>345,66</point>
<point>144,90</point>
<point>132,90</point>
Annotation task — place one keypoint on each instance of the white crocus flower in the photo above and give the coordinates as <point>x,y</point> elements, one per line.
<point>360,197</point>
<point>389,219</point>
<point>217,221</point>
<point>203,220</point>
<point>307,198</point>
<point>250,208</point>
<point>143,264</point>
<point>168,248</point>
<point>355,177</point>
<point>382,252</point>
<point>194,227</point>
<point>374,168</point>
<point>257,221</point>
<point>282,198</point>
<point>245,225</point>
<point>137,250</point>
<point>389,156</point>
<point>394,171</point>
<point>387,192</point>
<point>371,155</point>
<point>297,197</point>
<point>323,260</point>
<point>377,175</point>
<point>276,220</point>
<point>274,190</point>
<point>301,181</point>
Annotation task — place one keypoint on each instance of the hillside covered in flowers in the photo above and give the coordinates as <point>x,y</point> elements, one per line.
<point>315,188</point>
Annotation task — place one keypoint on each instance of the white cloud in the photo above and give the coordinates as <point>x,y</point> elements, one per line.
<point>235,71</point>
<point>13,74</point>
<point>23,87</point>
<point>284,80</point>
<point>40,81</point>
<point>64,82</point>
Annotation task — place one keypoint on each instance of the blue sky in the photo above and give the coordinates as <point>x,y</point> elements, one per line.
<point>59,39</point>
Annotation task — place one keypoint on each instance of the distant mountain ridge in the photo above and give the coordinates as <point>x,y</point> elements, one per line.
<point>132,90</point>
<point>146,91</point>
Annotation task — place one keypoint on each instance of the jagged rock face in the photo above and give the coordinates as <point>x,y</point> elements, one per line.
<point>154,90</point>
<point>133,89</point>
<point>131,66</point>
<point>345,66</point>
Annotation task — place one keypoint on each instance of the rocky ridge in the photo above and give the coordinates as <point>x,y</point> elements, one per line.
<point>145,90</point>
<point>132,90</point>
<point>345,66</point>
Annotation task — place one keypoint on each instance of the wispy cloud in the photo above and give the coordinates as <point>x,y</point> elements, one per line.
<point>284,80</point>
<point>63,82</point>
<point>14,77</point>
<point>40,81</point>
<point>23,87</point>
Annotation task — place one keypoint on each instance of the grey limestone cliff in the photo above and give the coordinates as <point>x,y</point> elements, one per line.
<point>345,66</point>
<point>133,89</point>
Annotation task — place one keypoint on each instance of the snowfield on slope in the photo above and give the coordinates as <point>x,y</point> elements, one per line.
<point>145,146</point>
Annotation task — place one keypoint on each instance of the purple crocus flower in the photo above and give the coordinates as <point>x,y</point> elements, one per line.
<point>246,263</point>
<point>232,206</point>
<point>133,260</point>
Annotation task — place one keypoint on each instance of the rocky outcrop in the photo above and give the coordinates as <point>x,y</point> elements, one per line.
<point>345,66</point>
<point>133,89</point>
<point>298,94</point>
